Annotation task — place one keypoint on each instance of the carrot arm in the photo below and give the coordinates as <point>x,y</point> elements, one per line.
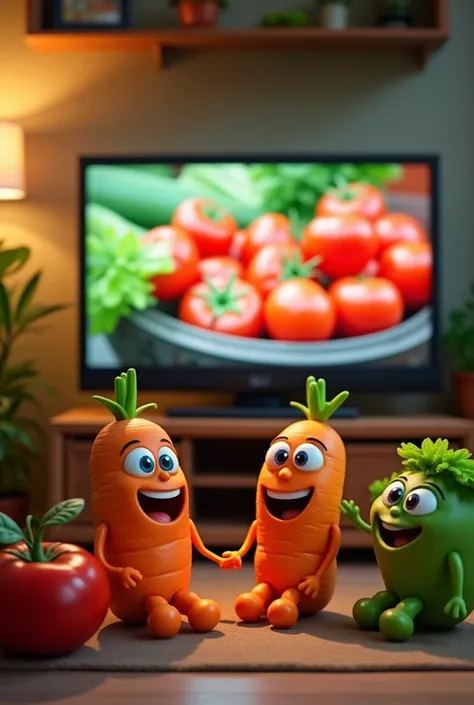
<point>99,545</point>
<point>198,544</point>
<point>332,550</point>
<point>248,541</point>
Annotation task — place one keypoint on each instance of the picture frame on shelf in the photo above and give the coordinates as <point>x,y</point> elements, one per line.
<point>90,15</point>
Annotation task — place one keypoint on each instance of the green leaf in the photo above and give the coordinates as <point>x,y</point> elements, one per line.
<point>10,532</point>
<point>27,294</point>
<point>5,309</point>
<point>12,260</point>
<point>22,555</point>
<point>23,370</point>
<point>62,513</point>
<point>39,312</point>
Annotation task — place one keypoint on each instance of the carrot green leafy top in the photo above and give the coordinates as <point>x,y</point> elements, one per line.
<point>125,404</point>
<point>317,407</point>
<point>435,457</point>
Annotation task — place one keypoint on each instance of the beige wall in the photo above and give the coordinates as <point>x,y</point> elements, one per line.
<point>75,104</point>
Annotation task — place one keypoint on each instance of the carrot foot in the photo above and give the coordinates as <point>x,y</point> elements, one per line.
<point>282,613</point>
<point>249,607</point>
<point>204,615</point>
<point>164,621</point>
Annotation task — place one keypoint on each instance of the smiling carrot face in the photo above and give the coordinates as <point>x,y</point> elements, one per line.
<point>144,534</point>
<point>299,492</point>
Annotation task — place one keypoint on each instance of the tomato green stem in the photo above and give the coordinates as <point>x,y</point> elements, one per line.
<point>213,212</point>
<point>222,301</point>
<point>37,553</point>
<point>294,267</point>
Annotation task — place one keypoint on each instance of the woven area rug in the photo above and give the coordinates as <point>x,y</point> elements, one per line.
<point>329,642</point>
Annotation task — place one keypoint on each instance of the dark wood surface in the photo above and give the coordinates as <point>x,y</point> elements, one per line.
<point>447,688</point>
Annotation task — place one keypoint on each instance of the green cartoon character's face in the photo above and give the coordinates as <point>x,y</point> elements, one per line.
<point>412,508</point>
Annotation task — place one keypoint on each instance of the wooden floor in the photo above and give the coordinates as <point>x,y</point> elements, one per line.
<point>256,689</point>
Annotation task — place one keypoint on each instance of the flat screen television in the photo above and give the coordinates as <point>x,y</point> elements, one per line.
<point>247,274</point>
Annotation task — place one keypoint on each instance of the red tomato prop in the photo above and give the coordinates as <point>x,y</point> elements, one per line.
<point>268,229</point>
<point>357,198</point>
<point>230,306</point>
<point>409,265</point>
<point>220,267</point>
<point>276,263</point>
<point>398,227</point>
<point>185,257</point>
<point>53,597</point>
<point>299,310</point>
<point>366,305</point>
<point>237,244</point>
<point>210,225</point>
<point>344,243</point>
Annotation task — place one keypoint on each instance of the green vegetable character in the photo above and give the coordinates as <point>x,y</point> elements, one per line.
<point>422,524</point>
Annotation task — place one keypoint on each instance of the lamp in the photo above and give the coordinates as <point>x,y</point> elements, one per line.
<point>12,169</point>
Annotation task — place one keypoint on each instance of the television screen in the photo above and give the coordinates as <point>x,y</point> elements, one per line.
<point>203,270</point>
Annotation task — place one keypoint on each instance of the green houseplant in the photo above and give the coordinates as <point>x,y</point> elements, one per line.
<point>199,13</point>
<point>459,341</point>
<point>396,13</point>
<point>19,433</point>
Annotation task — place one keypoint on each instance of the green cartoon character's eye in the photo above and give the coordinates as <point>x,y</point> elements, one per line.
<point>421,501</point>
<point>393,493</point>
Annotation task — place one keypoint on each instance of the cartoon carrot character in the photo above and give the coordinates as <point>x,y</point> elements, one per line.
<point>297,531</point>
<point>144,535</point>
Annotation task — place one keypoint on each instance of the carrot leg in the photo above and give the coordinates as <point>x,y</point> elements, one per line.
<point>203,615</point>
<point>249,606</point>
<point>164,620</point>
<point>283,613</point>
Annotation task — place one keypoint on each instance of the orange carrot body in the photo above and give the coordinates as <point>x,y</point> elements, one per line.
<point>288,551</point>
<point>160,552</point>
<point>297,534</point>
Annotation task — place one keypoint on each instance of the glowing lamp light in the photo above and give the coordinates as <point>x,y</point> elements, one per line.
<point>12,167</point>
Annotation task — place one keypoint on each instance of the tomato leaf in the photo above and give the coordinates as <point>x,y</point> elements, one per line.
<point>22,555</point>
<point>62,513</point>
<point>10,532</point>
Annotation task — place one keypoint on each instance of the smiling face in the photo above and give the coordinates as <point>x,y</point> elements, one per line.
<point>411,510</point>
<point>136,477</point>
<point>302,465</point>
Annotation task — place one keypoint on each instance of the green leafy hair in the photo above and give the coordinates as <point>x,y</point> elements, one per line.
<point>124,406</point>
<point>432,458</point>
<point>317,407</point>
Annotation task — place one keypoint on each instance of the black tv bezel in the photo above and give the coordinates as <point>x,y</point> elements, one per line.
<point>279,379</point>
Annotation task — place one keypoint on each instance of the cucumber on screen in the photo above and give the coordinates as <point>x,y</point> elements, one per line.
<point>99,220</point>
<point>153,169</point>
<point>146,199</point>
<point>149,199</point>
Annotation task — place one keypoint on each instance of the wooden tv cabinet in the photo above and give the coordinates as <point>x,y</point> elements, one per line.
<point>222,458</point>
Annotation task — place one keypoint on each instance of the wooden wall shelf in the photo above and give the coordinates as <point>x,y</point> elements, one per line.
<point>420,42</point>
<point>222,459</point>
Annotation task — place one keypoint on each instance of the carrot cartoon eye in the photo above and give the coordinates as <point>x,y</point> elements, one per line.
<point>167,460</point>
<point>308,457</point>
<point>277,455</point>
<point>139,462</point>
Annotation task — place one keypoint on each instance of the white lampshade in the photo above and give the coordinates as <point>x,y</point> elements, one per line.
<point>12,168</point>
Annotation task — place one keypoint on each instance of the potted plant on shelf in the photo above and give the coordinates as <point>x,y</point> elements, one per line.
<point>19,433</point>
<point>396,13</point>
<point>459,341</point>
<point>199,13</point>
<point>335,14</point>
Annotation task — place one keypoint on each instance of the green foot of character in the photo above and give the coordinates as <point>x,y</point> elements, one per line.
<point>394,619</point>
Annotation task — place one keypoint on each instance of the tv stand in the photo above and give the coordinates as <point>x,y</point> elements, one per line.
<point>250,406</point>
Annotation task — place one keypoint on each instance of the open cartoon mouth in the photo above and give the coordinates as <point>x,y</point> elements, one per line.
<point>396,536</point>
<point>287,505</point>
<point>162,507</point>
